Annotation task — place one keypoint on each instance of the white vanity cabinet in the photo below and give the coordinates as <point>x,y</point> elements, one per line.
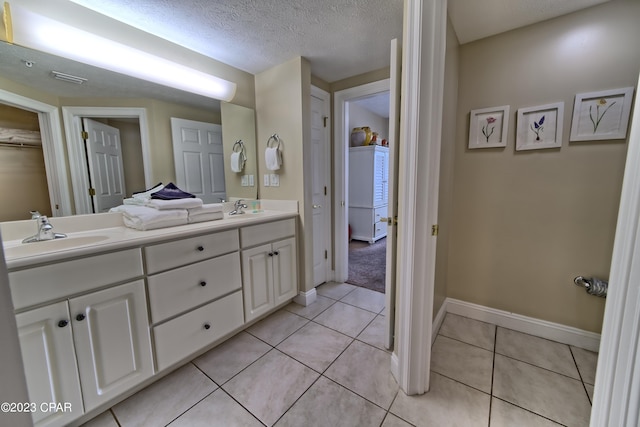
<point>269,270</point>
<point>49,359</point>
<point>195,298</point>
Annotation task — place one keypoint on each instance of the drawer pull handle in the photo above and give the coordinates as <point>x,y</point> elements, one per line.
<point>203,283</point>
<point>200,248</point>
<point>62,323</point>
<point>80,317</point>
<point>207,326</point>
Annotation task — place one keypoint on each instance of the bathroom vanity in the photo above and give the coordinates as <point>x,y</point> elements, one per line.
<point>109,309</point>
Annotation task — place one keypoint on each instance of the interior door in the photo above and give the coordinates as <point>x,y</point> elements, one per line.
<point>198,158</point>
<point>392,194</point>
<point>106,170</point>
<point>320,176</point>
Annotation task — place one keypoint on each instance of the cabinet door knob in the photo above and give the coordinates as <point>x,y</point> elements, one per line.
<point>276,253</point>
<point>200,248</point>
<point>203,283</point>
<point>207,326</point>
<point>63,323</point>
<point>270,253</point>
<point>80,317</point>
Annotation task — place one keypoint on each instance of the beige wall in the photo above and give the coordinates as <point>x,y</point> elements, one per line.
<point>445,196</point>
<point>283,101</point>
<point>525,224</point>
<point>239,124</point>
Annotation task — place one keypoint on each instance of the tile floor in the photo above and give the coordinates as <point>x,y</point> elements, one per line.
<point>325,365</point>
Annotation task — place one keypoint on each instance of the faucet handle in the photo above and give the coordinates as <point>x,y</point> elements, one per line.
<point>35,214</point>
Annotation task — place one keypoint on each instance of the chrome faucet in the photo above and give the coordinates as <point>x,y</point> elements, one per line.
<point>45,229</point>
<point>237,207</point>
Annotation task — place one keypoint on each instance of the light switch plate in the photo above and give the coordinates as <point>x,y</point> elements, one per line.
<point>251,183</point>
<point>244,181</point>
<point>266,180</point>
<point>275,180</point>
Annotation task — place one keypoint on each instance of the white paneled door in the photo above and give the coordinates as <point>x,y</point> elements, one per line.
<point>106,171</point>
<point>199,159</point>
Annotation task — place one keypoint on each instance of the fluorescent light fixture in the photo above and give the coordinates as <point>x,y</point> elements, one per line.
<point>41,33</point>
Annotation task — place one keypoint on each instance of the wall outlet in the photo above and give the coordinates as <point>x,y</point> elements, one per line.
<point>274,180</point>
<point>266,180</point>
<point>244,181</point>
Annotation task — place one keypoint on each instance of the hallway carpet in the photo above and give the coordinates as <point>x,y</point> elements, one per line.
<point>367,264</point>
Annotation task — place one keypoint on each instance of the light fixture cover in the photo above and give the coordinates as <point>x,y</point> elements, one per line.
<point>41,33</point>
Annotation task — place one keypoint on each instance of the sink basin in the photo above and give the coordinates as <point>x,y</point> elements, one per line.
<point>36,248</point>
<point>246,214</point>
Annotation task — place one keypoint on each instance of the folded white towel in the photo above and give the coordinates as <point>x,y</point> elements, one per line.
<point>187,203</point>
<point>145,195</point>
<point>206,209</point>
<point>136,201</point>
<point>146,218</point>
<point>272,158</point>
<point>237,161</point>
<point>213,216</point>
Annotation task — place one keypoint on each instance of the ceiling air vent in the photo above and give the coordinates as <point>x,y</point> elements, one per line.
<point>69,78</point>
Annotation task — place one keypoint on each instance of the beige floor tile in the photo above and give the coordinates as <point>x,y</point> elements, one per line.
<point>328,404</point>
<point>105,419</point>
<point>345,318</point>
<point>547,393</point>
<point>462,362</point>
<point>587,362</point>
<point>335,290</point>
<point>231,357</point>
<point>217,409</point>
<point>315,345</point>
<point>504,414</point>
<point>159,404</point>
<point>364,369</point>
<point>312,310</point>
<point>374,333</point>
<point>393,421</point>
<point>365,299</point>
<point>277,327</point>
<point>467,330</point>
<point>447,404</point>
<point>271,385</point>
<point>537,351</point>
<point>590,389</point>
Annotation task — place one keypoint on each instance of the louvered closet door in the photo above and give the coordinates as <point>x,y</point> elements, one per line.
<point>380,178</point>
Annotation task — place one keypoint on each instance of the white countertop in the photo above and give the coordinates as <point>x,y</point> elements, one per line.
<point>108,234</point>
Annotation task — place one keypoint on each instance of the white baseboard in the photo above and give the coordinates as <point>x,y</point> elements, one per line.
<point>394,366</point>
<point>437,321</point>
<point>528,325</point>
<point>306,298</point>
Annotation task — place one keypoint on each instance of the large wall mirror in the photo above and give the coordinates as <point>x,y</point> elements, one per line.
<point>32,101</point>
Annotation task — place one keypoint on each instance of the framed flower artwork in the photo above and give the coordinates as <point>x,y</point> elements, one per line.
<point>601,115</point>
<point>488,127</point>
<point>540,127</point>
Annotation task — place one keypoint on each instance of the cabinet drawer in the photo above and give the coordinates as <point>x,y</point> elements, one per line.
<point>166,256</point>
<point>378,213</point>
<point>181,289</point>
<point>264,233</point>
<point>50,282</point>
<point>184,335</point>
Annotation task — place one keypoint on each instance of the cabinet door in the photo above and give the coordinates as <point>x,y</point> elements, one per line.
<point>257,280</point>
<point>49,361</point>
<point>113,345</point>
<point>380,178</point>
<point>285,272</point>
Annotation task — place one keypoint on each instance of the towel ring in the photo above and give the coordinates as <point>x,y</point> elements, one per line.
<point>275,138</point>
<point>240,146</point>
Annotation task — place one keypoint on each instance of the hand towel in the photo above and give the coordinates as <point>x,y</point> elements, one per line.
<point>137,201</point>
<point>161,204</point>
<point>170,192</point>
<point>147,193</point>
<point>237,162</point>
<point>146,218</point>
<point>213,216</point>
<point>206,209</point>
<point>272,158</point>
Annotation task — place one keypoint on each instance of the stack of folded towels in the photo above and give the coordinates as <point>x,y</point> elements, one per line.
<point>166,206</point>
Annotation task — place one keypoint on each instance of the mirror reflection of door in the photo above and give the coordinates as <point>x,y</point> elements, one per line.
<point>199,160</point>
<point>105,164</point>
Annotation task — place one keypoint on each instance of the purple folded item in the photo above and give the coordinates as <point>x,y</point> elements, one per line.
<point>171,192</point>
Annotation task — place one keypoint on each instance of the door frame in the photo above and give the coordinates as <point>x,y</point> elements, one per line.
<point>72,118</point>
<point>52,148</point>
<point>341,169</point>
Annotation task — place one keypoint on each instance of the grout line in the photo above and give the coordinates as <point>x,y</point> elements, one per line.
<point>529,411</point>
<point>584,385</point>
<point>493,372</point>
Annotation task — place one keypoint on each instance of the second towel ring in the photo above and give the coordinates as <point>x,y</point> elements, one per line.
<point>240,146</point>
<point>274,138</point>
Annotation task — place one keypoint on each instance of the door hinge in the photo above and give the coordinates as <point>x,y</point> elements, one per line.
<point>434,230</point>
<point>92,191</point>
<point>85,135</point>
<point>326,254</point>
<point>324,119</point>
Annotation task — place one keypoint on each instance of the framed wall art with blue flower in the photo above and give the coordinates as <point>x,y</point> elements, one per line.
<point>540,127</point>
<point>488,127</point>
<point>601,115</point>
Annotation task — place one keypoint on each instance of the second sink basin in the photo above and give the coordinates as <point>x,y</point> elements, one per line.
<point>27,249</point>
